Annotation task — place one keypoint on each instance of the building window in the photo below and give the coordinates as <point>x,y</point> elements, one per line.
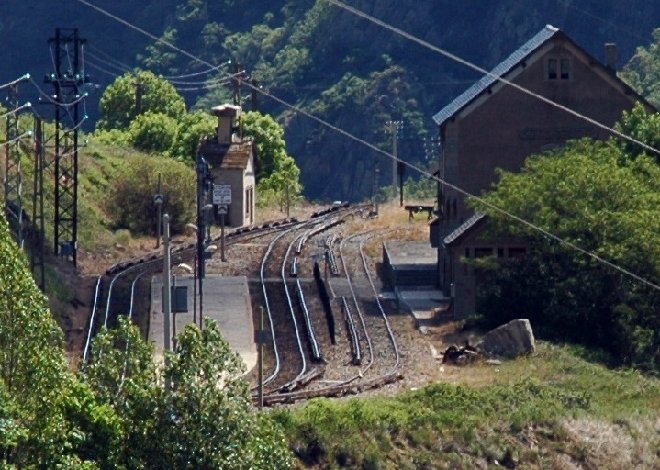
<point>482,252</point>
<point>552,69</point>
<point>559,69</point>
<point>564,69</point>
<point>500,252</point>
<point>516,252</point>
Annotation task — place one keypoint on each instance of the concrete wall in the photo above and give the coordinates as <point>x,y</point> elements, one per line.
<point>241,209</point>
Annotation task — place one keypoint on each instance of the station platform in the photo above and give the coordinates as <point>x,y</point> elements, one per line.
<point>410,273</point>
<point>226,300</point>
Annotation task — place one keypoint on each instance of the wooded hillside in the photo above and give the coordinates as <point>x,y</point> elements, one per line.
<point>327,61</point>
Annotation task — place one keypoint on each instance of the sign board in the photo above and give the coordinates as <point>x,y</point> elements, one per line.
<point>158,198</point>
<point>223,209</point>
<point>221,194</point>
<point>262,336</point>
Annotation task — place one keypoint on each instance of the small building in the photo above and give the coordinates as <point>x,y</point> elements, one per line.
<point>232,161</point>
<point>496,125</point>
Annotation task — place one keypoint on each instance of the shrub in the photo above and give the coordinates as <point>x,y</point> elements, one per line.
<point>130,201</point>
<point>152,132</point>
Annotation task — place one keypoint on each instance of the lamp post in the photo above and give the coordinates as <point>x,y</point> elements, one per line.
<point>158,201</point>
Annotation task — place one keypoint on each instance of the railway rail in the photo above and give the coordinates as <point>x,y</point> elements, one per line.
<point>311,354</point>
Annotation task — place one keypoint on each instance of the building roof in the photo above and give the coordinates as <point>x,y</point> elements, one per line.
<point>488,80</point>
<point>462,230</point>
<point>234,156</point>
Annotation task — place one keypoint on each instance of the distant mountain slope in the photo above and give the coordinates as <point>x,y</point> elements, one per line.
<point>347,71</point>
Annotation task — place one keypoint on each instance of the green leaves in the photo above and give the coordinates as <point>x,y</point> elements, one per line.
<point>130,199</point>
<point>204,419</point>
<point>278,174</point>
<point>596,196</point>
<point>643,70</point>
<point>134,94</point>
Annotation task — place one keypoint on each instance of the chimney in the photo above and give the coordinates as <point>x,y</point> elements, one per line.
<point>227,115</point>
<point>611,56</point>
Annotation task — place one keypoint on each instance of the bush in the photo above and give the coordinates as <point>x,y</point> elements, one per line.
<point>153,132</point>
<point>130,201</point>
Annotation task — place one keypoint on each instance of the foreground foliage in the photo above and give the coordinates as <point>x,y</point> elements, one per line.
<point>47,416</point>
<point>202,418</point>
<point>117,413</point>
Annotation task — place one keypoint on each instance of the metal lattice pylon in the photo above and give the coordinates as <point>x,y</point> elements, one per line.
<point>13,177</point>
<point>67,79</point>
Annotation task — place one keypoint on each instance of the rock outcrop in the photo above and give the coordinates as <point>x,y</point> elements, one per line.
<point>509,340</point>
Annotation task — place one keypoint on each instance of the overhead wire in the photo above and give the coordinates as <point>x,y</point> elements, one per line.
<point>17,138</point>
<point>373,147</point>
<point>16,110</point>
<point>15,82</point>
<point>101,69</point>
<point>569,4</point>
<point>498,78</point>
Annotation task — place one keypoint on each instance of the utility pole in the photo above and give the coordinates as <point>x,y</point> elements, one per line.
<point>394,127</point>
<point>167,288</point>
<point>374,191</point>
<point>236,84</point>
<point>139,91</point>
<point>37,254</point>
<point>260,359</point>
<point>254,96</point>
<point>13,175</point>
<point>68,77</point>
<point>202,170</point>
<point>158,201</point>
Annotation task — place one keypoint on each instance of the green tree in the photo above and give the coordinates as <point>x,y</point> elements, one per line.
<point>159,56</point>
<point>133,94</point>
<point>643,126</point>
<point>47,418</point>
<point>153,132</point>
<point>642,72</point>
<point>278,174</point>
<point>204,419</point>
<point>130,200</point>
<point>122,375</point>
<point>594,196</point>
<point>192,127</point>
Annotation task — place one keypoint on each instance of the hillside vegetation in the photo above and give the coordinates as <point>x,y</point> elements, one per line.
<point>353,74</point>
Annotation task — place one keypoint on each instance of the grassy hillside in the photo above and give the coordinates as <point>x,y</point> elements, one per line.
<point>550,410</point>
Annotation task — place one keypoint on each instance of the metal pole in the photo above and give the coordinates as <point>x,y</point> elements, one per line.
<point>195,290</point>
<point>174,315</point>
<point>288,199</point>
<point>260,360</point>
<point>222,237</point>
<point>200,232</point>
<point>159,209</point>
<point>167,301</point>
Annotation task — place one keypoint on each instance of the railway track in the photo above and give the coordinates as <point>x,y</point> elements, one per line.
<point>116,291</point>
<point>311,353</point>
<point>342,374</point>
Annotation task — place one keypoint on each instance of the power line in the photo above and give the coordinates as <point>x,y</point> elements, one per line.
<point>15,82</point>
<point>15,110</point>
<point>498,78</point>
<point>568,4</point>
<point>388,155</point>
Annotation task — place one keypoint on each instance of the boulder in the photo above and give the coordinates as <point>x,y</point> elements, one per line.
<point>509,340</point>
